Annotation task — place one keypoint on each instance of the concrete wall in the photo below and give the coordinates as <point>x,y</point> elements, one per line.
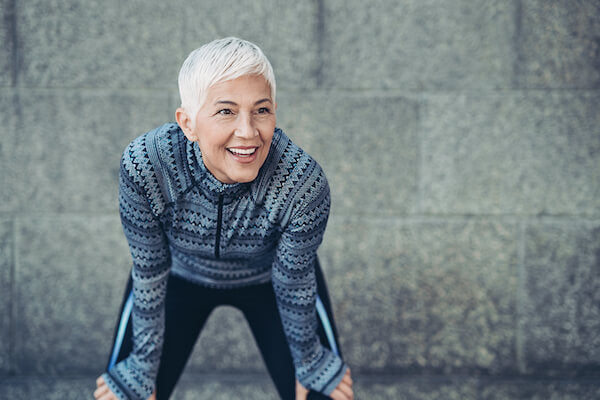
<point>461,140</point>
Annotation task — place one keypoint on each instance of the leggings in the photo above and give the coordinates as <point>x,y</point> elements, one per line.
<point>188,306</point>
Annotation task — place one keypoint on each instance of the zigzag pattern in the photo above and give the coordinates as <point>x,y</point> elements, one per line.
<point>270,230</point>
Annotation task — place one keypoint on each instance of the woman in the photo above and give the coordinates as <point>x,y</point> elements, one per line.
<point>222,208</point>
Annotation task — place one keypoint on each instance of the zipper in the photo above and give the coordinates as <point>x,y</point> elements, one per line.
<point>219,223</point>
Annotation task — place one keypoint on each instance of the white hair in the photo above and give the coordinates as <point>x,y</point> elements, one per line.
<point>219,61</point>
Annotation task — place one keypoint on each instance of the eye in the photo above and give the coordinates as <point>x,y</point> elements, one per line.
<point>264,110</point>
<point>225,111</point>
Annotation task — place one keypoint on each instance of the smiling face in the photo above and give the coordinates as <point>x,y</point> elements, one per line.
<point>233,128</point>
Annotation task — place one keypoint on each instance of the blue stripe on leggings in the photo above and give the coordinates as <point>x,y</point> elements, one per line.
<point>121,331</point>
<point>326,325</point>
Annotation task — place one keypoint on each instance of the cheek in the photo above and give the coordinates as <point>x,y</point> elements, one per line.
<point>211,152</point>
<point>213,142</point>
<point>267,142</point>
<point>267,131</point>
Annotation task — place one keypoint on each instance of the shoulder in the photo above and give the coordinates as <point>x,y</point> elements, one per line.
<point>289,164</point>
<point>143,151</point>
<point>299,167</point>
<point>292,178</point>
<point>153,160</point>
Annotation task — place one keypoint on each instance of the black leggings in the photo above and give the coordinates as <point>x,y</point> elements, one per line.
<point>188,306</point>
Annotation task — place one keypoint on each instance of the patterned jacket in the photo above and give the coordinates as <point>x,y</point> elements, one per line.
<point>179,219</point>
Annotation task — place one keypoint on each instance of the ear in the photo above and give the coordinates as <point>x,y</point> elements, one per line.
<point>186,124</point>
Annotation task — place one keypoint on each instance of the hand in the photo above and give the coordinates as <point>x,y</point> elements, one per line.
<point>343,391</point>
<point>301,391</point>
<point>104,393</point>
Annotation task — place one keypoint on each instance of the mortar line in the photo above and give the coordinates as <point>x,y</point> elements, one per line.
<point>11,302</point>
<point>420,158</point>
<point>518,53</point>
<point>10,20</point>
<point>320,39</point>
<point>347,92</point>
<point>520,298</point>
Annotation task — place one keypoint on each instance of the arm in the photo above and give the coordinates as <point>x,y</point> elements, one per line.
<point>294,282</point>
<point>134,377</point>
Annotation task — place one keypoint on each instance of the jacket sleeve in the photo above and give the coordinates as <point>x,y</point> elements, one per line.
<point>294,283</point>
<point>135,376</point>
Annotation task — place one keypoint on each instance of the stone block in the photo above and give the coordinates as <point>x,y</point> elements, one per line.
<point>226,343</point>
<point>190,387</point>
<point>54,388</point>
<point>144,45</point>
<point>6,43</point>
<point>285,31</point>
<point>64,155</point>
<point>418,44</point>
<point>223,387</point>
<point>6,271</point>
<point>511,153</point>
<point>69,282</point>
<point>100,44</point>
<point>559,44</point>
<point>423,295</point>
<point>431,387</point>
<point>539,389</point>
<point>367,146</point>
<point>415,388</point>
<point>562,305</point>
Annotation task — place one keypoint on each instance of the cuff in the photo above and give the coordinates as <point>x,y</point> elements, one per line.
<point>114,386</point>
<point>324,373</point>
<point>128,383</point>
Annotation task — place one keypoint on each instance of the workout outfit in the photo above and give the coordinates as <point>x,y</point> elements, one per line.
<point>251,245</point>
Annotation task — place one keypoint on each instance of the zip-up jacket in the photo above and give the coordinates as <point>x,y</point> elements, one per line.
<point>179,219</point>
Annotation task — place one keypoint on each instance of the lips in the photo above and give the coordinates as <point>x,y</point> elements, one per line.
<point>244,155</point>
<point>243,152</point>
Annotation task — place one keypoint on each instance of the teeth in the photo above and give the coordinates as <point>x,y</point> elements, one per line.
<point>242,152</point>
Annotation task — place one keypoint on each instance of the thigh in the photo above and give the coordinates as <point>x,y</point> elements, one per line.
<point>187,308</point>
<point>259,306</point>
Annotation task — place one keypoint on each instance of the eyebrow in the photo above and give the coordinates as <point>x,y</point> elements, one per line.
<point>233,103</point>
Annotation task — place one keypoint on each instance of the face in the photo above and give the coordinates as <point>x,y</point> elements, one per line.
<point>234,128</point>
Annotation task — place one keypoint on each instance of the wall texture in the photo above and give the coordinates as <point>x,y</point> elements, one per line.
<point>461,140</point>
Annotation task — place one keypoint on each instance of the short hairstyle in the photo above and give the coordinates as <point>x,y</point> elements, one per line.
<point>219,61</point>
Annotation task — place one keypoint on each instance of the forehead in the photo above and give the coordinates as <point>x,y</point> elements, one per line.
<point>247,87</point>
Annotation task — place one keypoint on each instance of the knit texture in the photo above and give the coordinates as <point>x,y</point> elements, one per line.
<point>179,219</point>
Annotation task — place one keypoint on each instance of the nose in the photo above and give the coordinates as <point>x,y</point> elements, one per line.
<point>245,128</point>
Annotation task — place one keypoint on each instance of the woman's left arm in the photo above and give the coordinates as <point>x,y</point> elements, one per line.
<point>294,282</point>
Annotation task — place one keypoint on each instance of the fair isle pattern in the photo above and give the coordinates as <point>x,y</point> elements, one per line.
<point>179,219</point>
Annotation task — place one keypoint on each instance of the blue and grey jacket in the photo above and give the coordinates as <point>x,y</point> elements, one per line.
<point>179,219</point>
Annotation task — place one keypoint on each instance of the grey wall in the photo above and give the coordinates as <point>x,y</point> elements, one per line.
<point>461,140</point>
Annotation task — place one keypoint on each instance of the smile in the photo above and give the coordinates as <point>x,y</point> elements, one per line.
<point>242,152</point>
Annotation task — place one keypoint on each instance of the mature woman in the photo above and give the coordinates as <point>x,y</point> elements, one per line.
<point>222,208</point>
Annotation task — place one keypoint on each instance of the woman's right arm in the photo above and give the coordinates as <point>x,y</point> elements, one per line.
<point>135,376</point>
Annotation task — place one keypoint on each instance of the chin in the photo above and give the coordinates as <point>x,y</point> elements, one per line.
<point>245,178</point>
